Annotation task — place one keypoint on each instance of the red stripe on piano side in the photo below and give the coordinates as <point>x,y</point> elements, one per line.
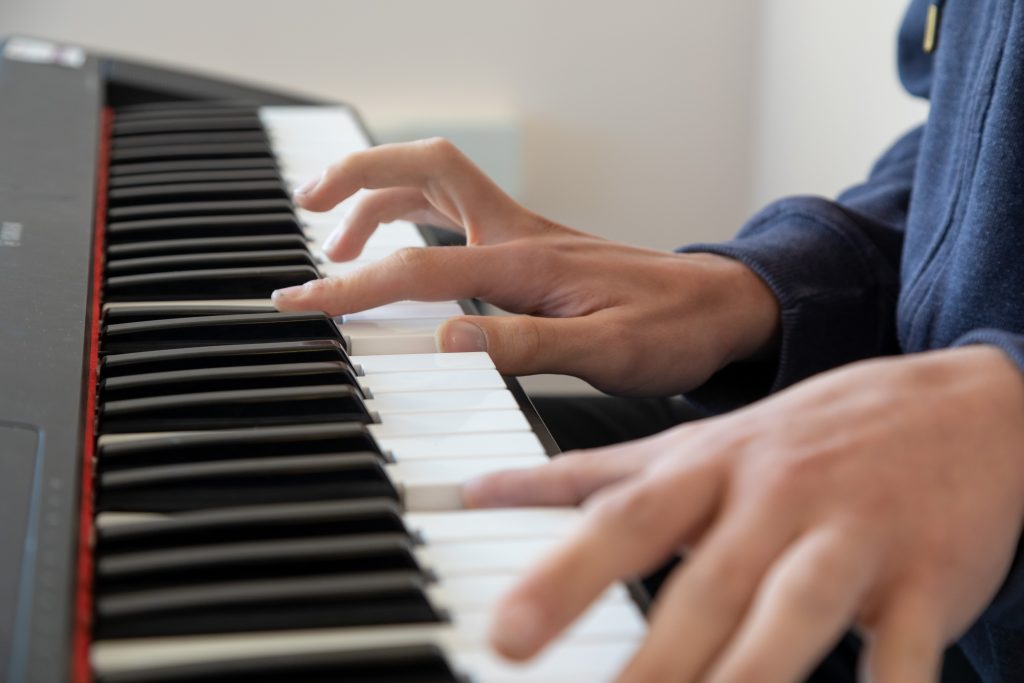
<point>81,671</point>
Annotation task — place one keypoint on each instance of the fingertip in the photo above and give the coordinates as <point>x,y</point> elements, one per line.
<point>517,630</point>
<point>287,298</point>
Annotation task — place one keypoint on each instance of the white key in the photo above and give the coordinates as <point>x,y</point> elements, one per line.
<point>507,556</point>
<point>428,381</point>
<point>406,310</point>
<point>444,362</point>
<point>592,662</point>
<point>487,525</point>
<point>470,400</point>
<point>464,422</point>
<point>435,484</point>
<point>471,446</point>
<point>472,592</point>
<point>375,337</point>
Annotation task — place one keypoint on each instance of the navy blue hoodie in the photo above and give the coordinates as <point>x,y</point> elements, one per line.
<point>928,253</point>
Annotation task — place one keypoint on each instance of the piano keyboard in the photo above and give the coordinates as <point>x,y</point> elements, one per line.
<point>277,494</point>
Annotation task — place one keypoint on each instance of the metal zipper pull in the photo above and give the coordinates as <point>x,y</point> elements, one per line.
<point>931,27</point>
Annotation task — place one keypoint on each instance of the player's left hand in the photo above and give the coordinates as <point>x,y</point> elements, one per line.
<point>887,495</point>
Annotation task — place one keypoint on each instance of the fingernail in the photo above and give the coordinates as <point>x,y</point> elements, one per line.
<point>515,630</point>
<point>463,336</point>
<point>333,238</point>
<point>286,293</point>
<point>308,187</point>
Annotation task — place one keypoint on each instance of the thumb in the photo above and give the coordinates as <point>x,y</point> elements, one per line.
<point>518,344</point>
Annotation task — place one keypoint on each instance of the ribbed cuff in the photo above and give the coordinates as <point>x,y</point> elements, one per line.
<point>837,296</point>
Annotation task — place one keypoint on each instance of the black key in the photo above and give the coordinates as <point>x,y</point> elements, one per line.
<point>192,177</point>
<point>168,360</point>
<point>236,444</point>
<point>203,209</point>
<point>349,518</point>
<point>191,165</point>
<point>270,604</point>
<point>407,664</point>
<point>137,312</point>
<point>282,223</point>
<point>184,110</point>
<point>208,564</point>
<point>203,245</point>
<point>227,150</point>
<point>234,409</point>
<point>167,124</point>
<point>175,333</point>
<point>228,379</point>
<point>197,192</point>
<point>214,283</point>
<point>220,259</point>
<point>236,483</point>
<point>189,137</point>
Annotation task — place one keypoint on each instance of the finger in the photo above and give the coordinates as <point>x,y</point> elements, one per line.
<point>419,274</point>
<point>569,479</point>
<point>524,344</point>
<point>434,165</point>
<point>705,598</point>
<point>376,207</point>
<point>633,528</point>
<point>806,602</point>
<point>907,645</point>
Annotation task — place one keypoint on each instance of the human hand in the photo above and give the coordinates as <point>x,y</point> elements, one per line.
<point>888,495</point>
<point>603,311</point>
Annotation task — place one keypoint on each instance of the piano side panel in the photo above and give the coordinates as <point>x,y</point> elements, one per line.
<point>49,123</point>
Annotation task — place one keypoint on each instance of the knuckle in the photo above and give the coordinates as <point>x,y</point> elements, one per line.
<point>408,258</point>
<point>632,512</point>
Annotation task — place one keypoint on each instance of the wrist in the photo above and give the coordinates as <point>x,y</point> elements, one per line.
<point>750,312</point>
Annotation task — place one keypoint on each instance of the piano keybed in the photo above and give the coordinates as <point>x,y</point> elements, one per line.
<point>277,494</point>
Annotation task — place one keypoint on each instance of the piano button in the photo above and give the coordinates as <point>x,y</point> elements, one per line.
<point>223,259</point>
<point>464,422</point>
<point>260,559</point>
<point>169,360</point>
<point>203,209</point>
<point>249,226</point>
<point>188,137</point>
<point>168,124</point>
<point>453,446</point>
<point>469,400</point>
<point>173,152</point>
<point>124,532</point>
<point>190,165</point>
<point>437,528</point>
<point>236,483</point>
<point>212,283</point>
<point>413,663</point>
<point>197,192</point>
<point>435,484</point>
<point>233,409</point>
<point>203,245</point>
<point>118,452</point>
<point>441,362</point>
<point>229,175</point>
<point>427,381</point>
<point>476,592</point>
<point>129,312</point>
<point>270,604</point>
<point>216,329</point>
<point>235,378</point>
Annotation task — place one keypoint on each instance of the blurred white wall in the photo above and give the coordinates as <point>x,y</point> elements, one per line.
<point>829,99</point>
<point>634,117</point>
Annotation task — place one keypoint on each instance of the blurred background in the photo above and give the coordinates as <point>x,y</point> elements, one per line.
<point>653,122</point>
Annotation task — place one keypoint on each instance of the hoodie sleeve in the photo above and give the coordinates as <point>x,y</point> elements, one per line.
<point>834,267</point>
